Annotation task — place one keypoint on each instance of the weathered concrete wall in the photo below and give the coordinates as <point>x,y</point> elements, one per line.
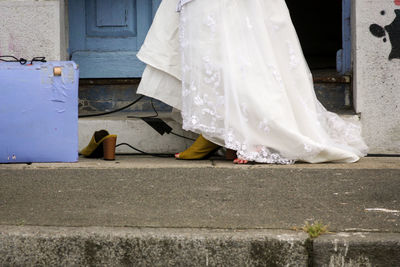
<point>376,32</point>
<point>30,28</point>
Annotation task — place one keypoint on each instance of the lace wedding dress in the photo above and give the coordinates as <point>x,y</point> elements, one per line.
<point>236,71</point>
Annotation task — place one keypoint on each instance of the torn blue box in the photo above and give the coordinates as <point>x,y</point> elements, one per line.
<point>39,112</point>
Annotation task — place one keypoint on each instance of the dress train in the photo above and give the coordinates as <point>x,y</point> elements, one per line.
<point>236,71</point>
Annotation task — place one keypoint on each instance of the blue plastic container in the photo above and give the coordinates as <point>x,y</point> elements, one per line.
<point>39,112</point>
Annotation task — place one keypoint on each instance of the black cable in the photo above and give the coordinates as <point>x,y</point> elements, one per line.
<point>39,59</point>
<point>22,61</point>
<point>155,116</point>
<point>112,111</point>
<point>384,155</point>
<point>145,153</point>
<point>146,117</point>
<point>136,117</point>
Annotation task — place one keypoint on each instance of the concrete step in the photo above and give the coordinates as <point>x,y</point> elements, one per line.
<point>102,246</point>
<point>136,133</point>
<point>142,211</point>
<point>164,192</point>
<point>140,135</point>
<point>357,249</point>
<point>150,247</point>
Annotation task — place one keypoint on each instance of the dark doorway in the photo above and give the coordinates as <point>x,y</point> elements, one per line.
<point>319,27</point>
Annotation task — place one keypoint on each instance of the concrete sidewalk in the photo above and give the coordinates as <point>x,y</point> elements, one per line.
<point>183,203</point>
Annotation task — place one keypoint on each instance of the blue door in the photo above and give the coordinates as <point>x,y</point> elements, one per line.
<point>343,58</point>
<point>105,36</point>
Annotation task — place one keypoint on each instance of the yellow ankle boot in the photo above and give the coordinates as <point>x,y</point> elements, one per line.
<point>200,149</point>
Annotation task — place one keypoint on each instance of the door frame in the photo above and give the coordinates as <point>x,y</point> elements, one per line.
<point>343,56</point>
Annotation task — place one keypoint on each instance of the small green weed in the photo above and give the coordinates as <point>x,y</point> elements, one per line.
<point>20,223</point>
<point>315,229</point>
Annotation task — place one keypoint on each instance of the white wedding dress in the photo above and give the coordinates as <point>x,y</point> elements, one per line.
<point>236,71</point>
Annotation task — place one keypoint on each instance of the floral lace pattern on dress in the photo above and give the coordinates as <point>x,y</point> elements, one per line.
<point>215,99</point>
<point>209,108</point>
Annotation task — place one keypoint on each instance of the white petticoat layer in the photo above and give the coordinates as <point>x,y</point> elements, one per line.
<point>245,82</point>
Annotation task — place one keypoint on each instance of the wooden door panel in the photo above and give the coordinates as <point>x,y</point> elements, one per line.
<point>110,13</point>
<point>110,18</point>
<point>105,36</point>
